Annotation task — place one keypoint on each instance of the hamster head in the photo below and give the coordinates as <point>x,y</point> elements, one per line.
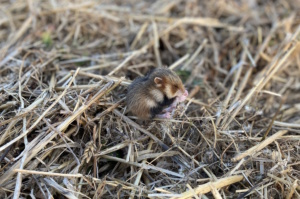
<point>169,83</point>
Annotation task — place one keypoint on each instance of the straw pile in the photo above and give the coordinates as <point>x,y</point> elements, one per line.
<point>64,129</point>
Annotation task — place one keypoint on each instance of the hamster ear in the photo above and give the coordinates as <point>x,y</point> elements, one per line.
<point>158,81</point>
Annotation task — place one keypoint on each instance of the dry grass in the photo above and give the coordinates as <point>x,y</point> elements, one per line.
<point>64,129</point>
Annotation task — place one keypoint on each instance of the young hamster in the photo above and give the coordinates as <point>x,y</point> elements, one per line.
<point>156,94</point>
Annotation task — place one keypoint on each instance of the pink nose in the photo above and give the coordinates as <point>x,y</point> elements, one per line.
<point>186,93</point>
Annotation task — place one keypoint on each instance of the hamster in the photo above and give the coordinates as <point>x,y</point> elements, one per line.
<point>156,94</point>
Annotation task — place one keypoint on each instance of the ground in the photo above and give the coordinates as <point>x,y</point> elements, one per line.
<point>64,128</point>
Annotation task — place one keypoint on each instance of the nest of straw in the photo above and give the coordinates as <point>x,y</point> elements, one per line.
<point>65,67</point>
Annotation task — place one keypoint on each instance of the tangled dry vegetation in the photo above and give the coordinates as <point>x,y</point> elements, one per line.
<point>64,129</point>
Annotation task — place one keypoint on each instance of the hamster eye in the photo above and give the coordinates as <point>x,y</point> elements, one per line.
<point>175,86</point>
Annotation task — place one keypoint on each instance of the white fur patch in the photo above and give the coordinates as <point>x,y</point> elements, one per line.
<point>169,92</point>
<point>150,102</point>
<point>158,95</point>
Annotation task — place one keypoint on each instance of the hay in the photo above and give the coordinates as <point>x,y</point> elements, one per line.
<point>64,128</point>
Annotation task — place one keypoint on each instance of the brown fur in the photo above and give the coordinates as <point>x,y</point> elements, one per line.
<point>140,98</point>
<point>169,78</point>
